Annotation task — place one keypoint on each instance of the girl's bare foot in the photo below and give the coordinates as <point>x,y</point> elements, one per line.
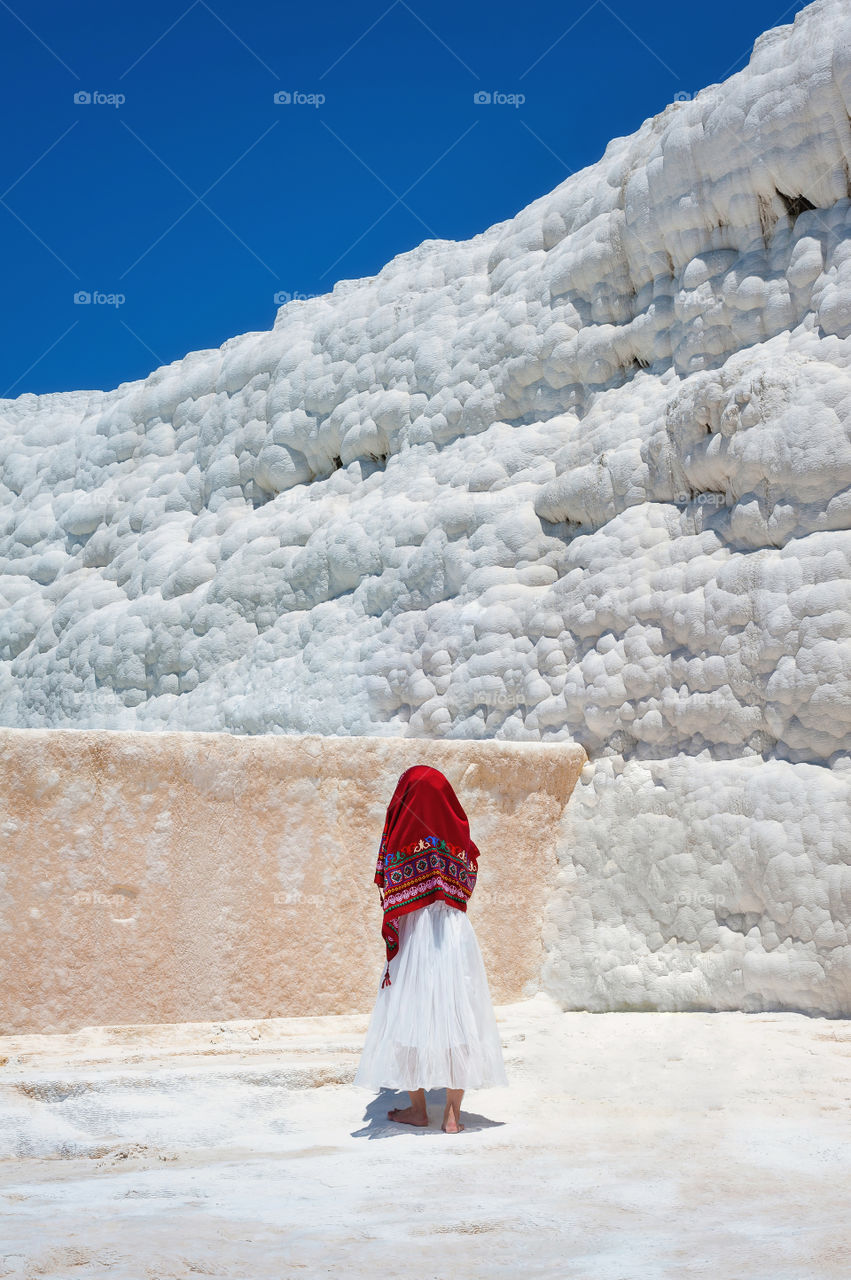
<point>452,1111</point>
<point>407,1115</point>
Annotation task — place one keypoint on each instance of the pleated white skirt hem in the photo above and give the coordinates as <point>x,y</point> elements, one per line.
<point>434,1026</point>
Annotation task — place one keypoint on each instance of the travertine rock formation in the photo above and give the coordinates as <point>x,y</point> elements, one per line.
<point>585,477</point>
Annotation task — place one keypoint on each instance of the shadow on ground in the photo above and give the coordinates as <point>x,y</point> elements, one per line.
<point>378,1126</point>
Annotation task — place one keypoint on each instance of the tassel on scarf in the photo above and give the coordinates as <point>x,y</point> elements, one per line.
<point>387,982</point>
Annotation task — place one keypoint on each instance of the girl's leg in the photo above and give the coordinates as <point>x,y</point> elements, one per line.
<point>416,1113</point>
<point>452,1111</point>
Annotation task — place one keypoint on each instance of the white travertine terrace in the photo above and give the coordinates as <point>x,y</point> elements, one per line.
<point>626,1145</point>
<point>586,477</point>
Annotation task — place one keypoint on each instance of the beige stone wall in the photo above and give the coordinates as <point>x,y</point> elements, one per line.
<point>168,877</point>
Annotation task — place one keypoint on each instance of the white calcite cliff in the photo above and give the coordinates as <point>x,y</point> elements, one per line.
<point>586,477</point>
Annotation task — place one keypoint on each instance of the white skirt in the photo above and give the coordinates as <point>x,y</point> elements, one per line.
<point>434,1026</point>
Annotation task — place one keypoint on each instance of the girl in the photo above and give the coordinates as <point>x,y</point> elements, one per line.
<point>433,1023</point>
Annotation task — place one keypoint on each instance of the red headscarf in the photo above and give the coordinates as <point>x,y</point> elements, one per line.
<point>426,852</point>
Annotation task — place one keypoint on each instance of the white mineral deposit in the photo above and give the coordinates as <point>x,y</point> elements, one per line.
<point>627,1147</point>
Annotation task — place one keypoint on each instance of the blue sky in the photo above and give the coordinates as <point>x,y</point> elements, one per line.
<point>184,209</point>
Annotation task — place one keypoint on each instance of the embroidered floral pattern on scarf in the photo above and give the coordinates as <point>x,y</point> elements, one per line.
<point>417,874</point>
<point>426,853</point>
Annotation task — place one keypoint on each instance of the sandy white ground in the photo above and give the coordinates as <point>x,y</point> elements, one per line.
<point>628,1145</point>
